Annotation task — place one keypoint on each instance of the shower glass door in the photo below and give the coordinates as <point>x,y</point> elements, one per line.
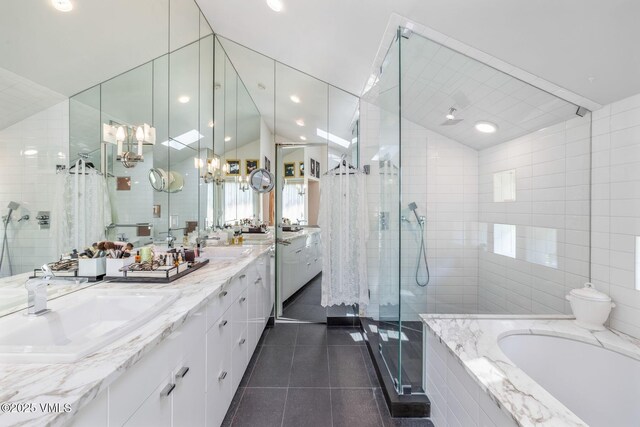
<point>387,163</point>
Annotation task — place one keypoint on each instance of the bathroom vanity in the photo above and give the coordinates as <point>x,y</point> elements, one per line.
<point>181,367</point>
<point>301,260</point>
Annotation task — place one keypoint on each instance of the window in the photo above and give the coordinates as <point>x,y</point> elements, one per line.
<point>541,246</point>
<point>238,204</point>
<point>504,239</point>
<point>504,186</point>
<point>292,203</point>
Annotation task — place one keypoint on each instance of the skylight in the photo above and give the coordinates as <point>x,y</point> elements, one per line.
<point>181,141</point>
<point>333,138</point>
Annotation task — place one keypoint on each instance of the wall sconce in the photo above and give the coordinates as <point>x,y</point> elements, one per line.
<point>122,136</point>
<point>244,183</point>
<point>302,189</point>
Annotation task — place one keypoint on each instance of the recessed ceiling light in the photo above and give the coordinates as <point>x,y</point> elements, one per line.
<point>184,99</point>
<point>62,5</point>
<point>30,152</point>
<point>486,127</point>
<point>303,138</point>
<point>300,122</point>
<point>227,138</point>
<point>294,98</point>
<point>275,5</point>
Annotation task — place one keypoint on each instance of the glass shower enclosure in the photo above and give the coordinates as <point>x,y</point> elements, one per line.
<point>464,221</point>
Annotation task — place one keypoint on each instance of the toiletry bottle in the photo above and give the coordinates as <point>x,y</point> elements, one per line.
<point>137,258</point>
<point>180,259</point>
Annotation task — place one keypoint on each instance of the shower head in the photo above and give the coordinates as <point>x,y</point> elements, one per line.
<point>413,207</point>
<point>13,206</point>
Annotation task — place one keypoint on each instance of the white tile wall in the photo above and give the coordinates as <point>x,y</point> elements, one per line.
<point>615,221</point>
<point>550,215</point>
<point>27,180</point>
<point>456,399</point>
<point>440,176</point>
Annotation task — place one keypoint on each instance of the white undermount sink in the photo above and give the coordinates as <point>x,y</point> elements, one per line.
<point>226,252</point>
<point>79,324</point>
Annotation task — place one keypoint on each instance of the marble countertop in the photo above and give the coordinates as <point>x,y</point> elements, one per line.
<point>474,339</point>
<point>305,232</point>
<point>18,293</point>
<point>79,383</point>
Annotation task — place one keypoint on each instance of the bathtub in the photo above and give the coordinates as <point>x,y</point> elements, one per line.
<point>529,371</point>
<point>599,385</point>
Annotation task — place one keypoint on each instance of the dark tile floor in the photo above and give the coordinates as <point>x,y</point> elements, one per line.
<point>311,375</point>
<point>305,304</point>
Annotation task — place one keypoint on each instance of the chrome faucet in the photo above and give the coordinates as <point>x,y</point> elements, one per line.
<point>169,239</point>
<point>37,290</point>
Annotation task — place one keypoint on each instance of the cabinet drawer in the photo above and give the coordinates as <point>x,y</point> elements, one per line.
<point>223,299</point>
<point>128,392</point>
<point>155,411</point>
<point>219,382</point>
<point>219,343</point>
<point>139,382</point>
<point>239,358</point>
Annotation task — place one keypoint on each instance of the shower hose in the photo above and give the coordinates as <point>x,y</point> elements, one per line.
<point>422,255</point>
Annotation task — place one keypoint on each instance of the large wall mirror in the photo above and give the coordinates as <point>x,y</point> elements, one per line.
<point>306,127</point>
<point>151,77</point>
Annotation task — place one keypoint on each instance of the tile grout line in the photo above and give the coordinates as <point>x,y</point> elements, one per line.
<point>286,397</point>
<point>326,335</point>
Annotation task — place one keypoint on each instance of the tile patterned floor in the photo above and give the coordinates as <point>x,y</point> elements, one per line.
<point>310,375</point>
<point>305,305</point>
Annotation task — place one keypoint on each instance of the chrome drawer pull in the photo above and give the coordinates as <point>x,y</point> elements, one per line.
<point>223,294</point>
<point>259,279</point>
<point>182,372</point>
<point>223,323</point>
<point>243,277</point>
<point>298,251</point>
<point>167,390</point>
<point>222,375</point>
<point>243,299</point>
<point>242,341</point>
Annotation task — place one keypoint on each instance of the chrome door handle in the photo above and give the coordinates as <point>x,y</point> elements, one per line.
<point>259,279</point>
<point>243,277</point>
<point>223,294</point>
<point>242,341</point>
<point>222,375</point>
<point>166,391</point>
<point>182,372</point>
<point>223,323</point>
<point>243,299</point>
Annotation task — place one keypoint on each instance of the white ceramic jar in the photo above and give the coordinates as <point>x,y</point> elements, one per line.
<point>590,307</point>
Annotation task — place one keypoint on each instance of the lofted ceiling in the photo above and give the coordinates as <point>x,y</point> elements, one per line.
<point>437,80</point>
<point>585,46</point>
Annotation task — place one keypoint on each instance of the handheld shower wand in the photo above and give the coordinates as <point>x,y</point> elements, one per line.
<point>422,253</point>
<point>5,245</point>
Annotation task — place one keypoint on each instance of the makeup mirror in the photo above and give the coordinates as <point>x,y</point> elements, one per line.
<point>261,181</point>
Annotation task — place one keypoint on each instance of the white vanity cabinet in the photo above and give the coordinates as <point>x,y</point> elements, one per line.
<point>191,377</point>
<point>301,262</point>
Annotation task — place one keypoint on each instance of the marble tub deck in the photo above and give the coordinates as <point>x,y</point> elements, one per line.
<point>80,382</point>
<point>473,340</point>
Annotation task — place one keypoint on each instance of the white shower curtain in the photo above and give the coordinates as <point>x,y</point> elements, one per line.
<point>82,209</point>
<point>344,230</point>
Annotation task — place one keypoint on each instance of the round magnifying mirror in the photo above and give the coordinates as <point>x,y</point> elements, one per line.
<point>261,181</point>
<point>157,179</point>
